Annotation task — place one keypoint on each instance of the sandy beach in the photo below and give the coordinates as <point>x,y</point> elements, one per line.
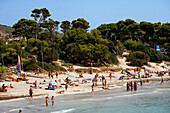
<point>21,89</point>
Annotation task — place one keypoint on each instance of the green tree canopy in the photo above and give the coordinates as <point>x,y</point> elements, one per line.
<point>24,28</point>
<point>80,23</point>
<point>65,26</point>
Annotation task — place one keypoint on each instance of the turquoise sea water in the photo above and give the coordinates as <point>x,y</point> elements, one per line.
<point>150,98</point>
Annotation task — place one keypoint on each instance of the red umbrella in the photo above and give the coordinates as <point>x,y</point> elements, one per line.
<point>111,72</point>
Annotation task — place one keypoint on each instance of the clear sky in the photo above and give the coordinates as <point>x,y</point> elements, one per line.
<point>96,12</point>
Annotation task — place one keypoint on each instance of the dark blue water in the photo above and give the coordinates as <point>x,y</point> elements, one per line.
<point>150,98</point>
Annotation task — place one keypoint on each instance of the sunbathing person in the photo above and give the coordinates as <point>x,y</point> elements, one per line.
<point>4,88</point>
<point>11,86</point>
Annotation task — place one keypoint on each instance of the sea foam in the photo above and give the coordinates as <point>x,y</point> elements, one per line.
<point>63,111</point>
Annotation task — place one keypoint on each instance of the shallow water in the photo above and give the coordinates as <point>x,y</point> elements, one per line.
<point>150,98</point>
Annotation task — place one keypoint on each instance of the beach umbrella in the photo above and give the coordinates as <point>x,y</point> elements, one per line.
<point>127,72</point>
<point>123,73</point>
<point>70,73</point>
<point>53,82</point>
<point>123,68</point>
<point>111,72</point>
<point>133,73</point>
<point>148,70</point>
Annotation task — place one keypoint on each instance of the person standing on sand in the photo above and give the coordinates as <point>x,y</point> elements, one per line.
<point>46,100</point>
<point>103,78</point>
<point>20,111</point>
<point>92,87</point>
<point>49,74</point>
<point>162,80</point>
<point>52,100</point>
<point>38,70</point>
<point>131,84</point>
<point>105,82</point>
<point>141,82</point>
<point>127,86</point>
<point>52,74</point>
<point>135,86</point>
<point>66,86</point>
<point>31,93</point>
<point>110,75</point>
<point>56,74</point>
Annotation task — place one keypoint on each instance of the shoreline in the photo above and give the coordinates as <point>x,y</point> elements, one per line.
<point>87,88</point>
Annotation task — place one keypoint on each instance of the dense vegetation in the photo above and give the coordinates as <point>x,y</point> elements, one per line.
<point>77,45</point>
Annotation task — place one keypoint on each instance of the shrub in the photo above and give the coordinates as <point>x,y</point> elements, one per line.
<point>154,55</point>
<point>3,69</point>
<point>32,67</point>
<point>113,59</point>
<point>66,64</point>
<point>138,58</point>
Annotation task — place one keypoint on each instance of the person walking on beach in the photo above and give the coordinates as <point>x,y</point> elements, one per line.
<point>31,93</point>
<point>20,111</point>
<point>52,100</point>
<point>46,100</point>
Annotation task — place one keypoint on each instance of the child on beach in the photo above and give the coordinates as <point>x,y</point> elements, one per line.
<point>52,99</point>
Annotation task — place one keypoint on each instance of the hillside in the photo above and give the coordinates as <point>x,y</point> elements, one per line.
<point>5,31</point>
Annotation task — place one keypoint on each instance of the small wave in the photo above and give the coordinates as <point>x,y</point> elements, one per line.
<point>11,100</point>
<point>63,111</point>
<point>97,99</point>
<point>17,109</point>
<point>137,94</point>
<point>109,98</point>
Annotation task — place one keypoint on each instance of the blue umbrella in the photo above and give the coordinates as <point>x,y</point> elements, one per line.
<point>148,70</point>
<point>53,83</point>
<point>127,72</point>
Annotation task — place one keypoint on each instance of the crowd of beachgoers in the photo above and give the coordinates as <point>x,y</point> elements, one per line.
<point>55,83</point>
